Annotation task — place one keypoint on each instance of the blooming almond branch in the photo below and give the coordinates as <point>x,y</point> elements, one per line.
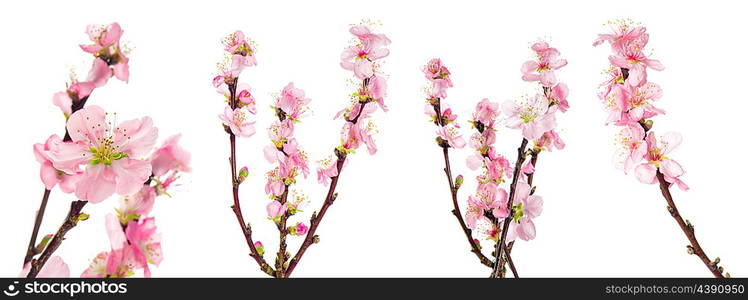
<point>290,107</point>
<point>540,122</point>
<point>448,136</point>
<point>501,215</point>
<point>628,97</point>
<point>363,59</point>
<point>240,103</point>
<point>100,157</point>
<point>109,59</point>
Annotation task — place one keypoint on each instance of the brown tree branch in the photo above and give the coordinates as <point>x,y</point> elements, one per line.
<point>510,246</point>
<point>70,221</point>
<point>687,229</point>
<point>501,245</point>
<point>439,121</point>
<point>31,251</point>
<point>311,237</point>
<point>246,228</point>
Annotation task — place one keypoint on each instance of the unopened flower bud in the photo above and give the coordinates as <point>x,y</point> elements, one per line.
<point>458,181</point>
<point>243,173</point>
<point>260,248</point>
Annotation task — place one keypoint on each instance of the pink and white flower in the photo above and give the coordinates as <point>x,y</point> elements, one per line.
<point>534,116</point>
<point>549,140</point>
<point>106,46</point>
<point>360,57</point>
<point>110,154</point>
<point>275,209</point>
<point>327,169</point>
<point>55,267</point>
<point>451,135</point>
<point>146,242</point>
<point>292,102</point>
<point>170,157</point>
<point>236,120</point>
<point>543,69</point>
<point>438,74</point>
<point>486,112</point>
<point>658,161</point>
<point>137,205</point>
<point>49,174</point>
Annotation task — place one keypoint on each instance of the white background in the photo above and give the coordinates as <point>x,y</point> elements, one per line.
<point>392,218</point>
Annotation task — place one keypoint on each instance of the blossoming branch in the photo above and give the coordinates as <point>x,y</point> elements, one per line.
<point>628,97</point>
<point>499,215</point>
<point>98,158</point>
<point>290,106</point>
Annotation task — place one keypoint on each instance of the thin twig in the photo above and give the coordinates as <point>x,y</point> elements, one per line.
<point>687,228</point>
<point>31,251</point>
<point>70,221</point>
<point>501,245</point>
<point>311,238</point>
<point>246,228</point>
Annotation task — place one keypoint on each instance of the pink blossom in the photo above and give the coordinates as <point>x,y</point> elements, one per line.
<point>118,263</point>
<point>488,198</point>
<point>486,112</point>
<point>497,167</point>
<point>292,102</point>
<point>633,147</point>
<point>275,209</point>
<point>137,205</point>
<point>241,50</point>
<point>621,35</point>
<point>295,157</point>
<point>49,175</point>
<point>353,134</point>
<point>534,117</point>
<point>55,267</point>
<point>532,207</point>
<point>482,140</point>
<point>636,62</point>
<point>280,131</point>
<point>549,140</point>
<point>110,154</point>
<point>639,101</point>
<point>106,46</point>
<point>542,70</point>
<point>328,168</point>
<point>300,229</point>
<point>658,161</point>
<point>170,157</point>
<point>438,74</point>
<point>446,113</point>
<point>63,101</point>
<point>244,94</point>
<point>146,242</point>
<point>528,168</point>
<point>360,58</point>
<point>451,135</point>
<point>97,77</point>
<point>236,120</point>
<point>376,90</point>
<point>558,96</point>
<point>102,36</point>
<point>276,181</point>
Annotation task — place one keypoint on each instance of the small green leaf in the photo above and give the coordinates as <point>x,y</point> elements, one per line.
<point>82,217</point>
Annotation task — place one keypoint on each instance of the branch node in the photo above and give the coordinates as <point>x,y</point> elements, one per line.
<point>690,249</point>
<point>315,240</point>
